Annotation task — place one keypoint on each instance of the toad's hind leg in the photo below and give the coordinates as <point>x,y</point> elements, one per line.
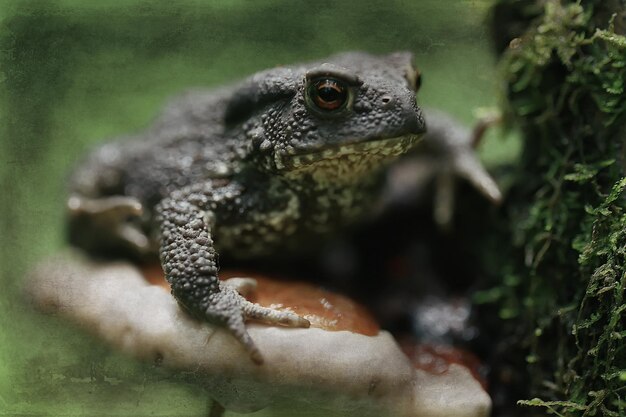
<point>188,258</point>
<point>108,224</point>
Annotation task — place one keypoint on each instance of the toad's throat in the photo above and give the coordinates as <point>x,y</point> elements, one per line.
<point>348,159</point>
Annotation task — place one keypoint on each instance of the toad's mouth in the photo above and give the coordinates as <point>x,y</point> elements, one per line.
<point>363,154</point>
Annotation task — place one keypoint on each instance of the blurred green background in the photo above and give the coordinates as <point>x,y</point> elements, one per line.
<point>77,72</point>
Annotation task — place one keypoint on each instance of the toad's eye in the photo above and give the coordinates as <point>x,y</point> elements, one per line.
<point>328,94</point>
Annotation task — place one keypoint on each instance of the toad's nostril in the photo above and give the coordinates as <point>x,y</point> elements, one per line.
<point>387,100</point>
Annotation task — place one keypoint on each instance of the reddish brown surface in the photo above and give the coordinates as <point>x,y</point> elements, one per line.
<point>331,311</point>
<point>436,359</point>
<point>322,308</point>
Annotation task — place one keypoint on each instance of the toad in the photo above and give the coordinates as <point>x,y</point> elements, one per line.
<point>283,158</point>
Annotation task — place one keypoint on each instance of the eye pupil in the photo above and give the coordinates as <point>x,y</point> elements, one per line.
<point>328,94</point>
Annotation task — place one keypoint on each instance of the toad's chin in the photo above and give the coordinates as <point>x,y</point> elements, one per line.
<point>348,161</point>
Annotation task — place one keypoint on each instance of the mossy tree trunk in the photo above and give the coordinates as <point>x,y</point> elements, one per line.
<point>561,290</point>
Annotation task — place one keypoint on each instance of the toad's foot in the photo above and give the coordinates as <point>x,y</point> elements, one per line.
<point>114,207</point>
<point>466,165</point>
<point>111,219</point>
<point>453,149</point>
<point>232,309</point>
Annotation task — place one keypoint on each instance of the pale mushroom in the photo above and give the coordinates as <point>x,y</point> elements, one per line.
<point>341,366</point>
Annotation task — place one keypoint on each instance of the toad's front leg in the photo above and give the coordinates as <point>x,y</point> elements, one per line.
<point>188,258</point>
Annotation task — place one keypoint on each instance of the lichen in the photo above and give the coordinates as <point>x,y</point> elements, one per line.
<point>560,290</point>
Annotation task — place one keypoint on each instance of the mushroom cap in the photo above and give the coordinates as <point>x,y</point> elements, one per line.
<point>325,369</point>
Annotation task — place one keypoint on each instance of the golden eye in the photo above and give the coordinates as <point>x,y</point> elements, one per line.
<point>328,94</point>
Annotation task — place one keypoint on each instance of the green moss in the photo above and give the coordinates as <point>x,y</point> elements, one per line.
<point>564,82</point>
